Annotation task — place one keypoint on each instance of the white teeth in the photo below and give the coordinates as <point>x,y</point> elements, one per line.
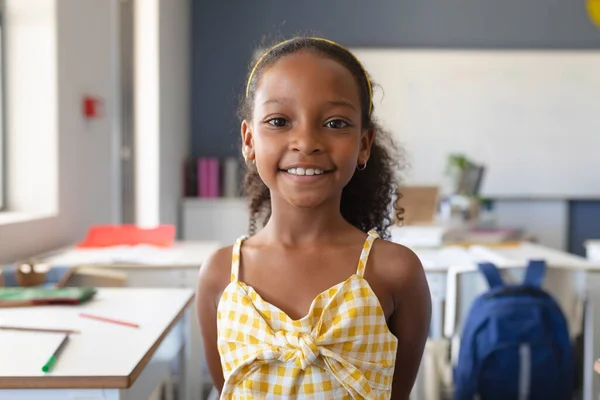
<point>302,171</point>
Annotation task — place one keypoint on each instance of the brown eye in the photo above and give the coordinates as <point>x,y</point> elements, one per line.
<point>278,122</point>
<point>337,124</point>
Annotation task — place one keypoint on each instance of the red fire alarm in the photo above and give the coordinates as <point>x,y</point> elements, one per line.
<point>92,107</point>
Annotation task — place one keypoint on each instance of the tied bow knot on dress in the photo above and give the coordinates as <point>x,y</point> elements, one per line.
<point>297,348</point>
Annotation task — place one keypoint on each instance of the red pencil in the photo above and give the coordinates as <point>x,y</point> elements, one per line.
<point>114,321</point>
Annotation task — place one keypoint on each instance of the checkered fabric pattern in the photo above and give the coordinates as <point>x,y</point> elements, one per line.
<point>342,349</point>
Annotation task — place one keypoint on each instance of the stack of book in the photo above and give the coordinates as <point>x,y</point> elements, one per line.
<point>211,177</point>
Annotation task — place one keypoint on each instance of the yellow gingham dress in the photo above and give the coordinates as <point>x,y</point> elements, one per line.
<point>342,349</point>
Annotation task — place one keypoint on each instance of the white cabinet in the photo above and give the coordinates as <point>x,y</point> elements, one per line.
<point>220,219</point>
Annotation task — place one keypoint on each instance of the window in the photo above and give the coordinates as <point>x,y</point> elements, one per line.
<point>2,130</point>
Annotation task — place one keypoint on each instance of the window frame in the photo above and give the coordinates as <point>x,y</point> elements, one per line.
<point>3,135</point>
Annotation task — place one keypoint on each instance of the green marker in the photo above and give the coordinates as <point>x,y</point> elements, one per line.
<point>52,360</point>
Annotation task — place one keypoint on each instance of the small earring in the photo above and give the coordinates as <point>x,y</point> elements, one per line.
<point>361,167</point>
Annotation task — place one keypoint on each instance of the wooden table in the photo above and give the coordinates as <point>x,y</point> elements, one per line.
<point>105,360</point>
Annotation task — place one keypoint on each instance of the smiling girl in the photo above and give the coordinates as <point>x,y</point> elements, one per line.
<point>314,304</point>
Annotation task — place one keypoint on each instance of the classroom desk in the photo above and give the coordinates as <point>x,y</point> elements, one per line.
<point>461,234</point>
<point>147,266</point>
<point>176,266</point>
<point>588,286</point>
<point>105,360</point>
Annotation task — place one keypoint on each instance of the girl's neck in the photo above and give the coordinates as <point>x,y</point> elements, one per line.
<point>295,226</point>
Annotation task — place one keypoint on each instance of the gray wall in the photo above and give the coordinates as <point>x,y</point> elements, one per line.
<point>224,34</point>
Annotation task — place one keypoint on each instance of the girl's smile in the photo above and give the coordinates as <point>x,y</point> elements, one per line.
<point>304,173</point>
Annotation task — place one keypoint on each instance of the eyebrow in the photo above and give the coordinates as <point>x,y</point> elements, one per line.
<point>277,101</point>
<point>342,103</point>
<point>283,100</point>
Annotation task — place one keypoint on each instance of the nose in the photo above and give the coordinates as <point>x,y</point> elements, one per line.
<point>306,140</point>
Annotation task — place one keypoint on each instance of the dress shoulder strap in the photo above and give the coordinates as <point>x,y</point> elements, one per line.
<point>235,258</point>
<point>364,255</point>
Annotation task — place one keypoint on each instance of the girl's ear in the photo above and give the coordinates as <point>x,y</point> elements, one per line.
<point>366,142</point>
<point>247,141</point>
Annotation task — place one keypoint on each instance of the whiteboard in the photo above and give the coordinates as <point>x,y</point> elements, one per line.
<point>532,117</point>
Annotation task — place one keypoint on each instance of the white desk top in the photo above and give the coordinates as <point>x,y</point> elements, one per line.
<point>102,354</point>
<point>180,255</point>
<point>439,234</point>
<point>439,259</point>
<point>554,258</point>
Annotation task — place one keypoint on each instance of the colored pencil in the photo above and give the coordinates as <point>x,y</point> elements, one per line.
<point>110,320</point>
<point>31,329</point>
<point>52,360</point>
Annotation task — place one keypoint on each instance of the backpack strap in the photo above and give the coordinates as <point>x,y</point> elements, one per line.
<point>535,272</point>
<point>491,273</point>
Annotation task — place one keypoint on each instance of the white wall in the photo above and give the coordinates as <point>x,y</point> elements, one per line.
<point>174,104</point>
<point>87,190</point>
<point>161,108</point>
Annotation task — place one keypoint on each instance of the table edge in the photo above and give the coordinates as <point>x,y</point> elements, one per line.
<point>93,382</point>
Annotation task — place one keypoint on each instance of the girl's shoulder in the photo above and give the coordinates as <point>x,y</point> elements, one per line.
<point>215,272</point>
<point>396,263</point>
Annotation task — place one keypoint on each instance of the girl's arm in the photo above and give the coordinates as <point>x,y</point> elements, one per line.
<point>410,319</point>
<point>213,278</point>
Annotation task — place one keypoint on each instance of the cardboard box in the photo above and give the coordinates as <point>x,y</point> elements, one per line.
<point>420,204</point>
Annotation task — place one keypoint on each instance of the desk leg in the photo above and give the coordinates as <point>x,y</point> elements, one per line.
<point>437,288</point>
<point>192,384</point>
<point>591,346</point>
<point>426,376</point>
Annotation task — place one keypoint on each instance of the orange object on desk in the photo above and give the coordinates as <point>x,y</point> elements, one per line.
<point>128,235</point>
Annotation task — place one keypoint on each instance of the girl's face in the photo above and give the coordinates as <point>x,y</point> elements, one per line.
<point>305,134</point>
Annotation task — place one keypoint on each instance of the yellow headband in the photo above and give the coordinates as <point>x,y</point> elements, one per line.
<point>323,40</point>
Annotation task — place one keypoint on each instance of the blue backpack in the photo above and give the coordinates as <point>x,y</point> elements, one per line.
<point>515,343</point>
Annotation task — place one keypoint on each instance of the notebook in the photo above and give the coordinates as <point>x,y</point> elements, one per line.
<point>34,296</point>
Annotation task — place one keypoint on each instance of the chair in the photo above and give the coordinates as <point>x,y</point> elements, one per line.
<point>128,235</point>
<point>465,283</point>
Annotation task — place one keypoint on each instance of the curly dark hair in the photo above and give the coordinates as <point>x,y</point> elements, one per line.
<point>368,199</point>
